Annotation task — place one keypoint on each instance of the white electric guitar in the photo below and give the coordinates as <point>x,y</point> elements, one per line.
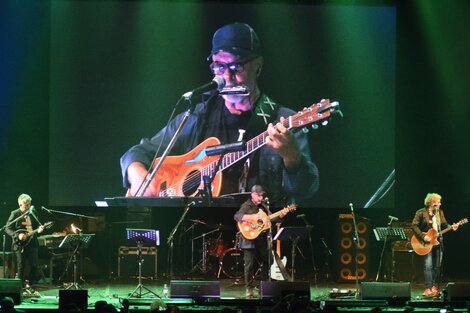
<point>276,273</point>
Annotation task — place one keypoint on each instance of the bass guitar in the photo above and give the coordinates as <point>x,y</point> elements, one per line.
<point>423,248</point>
<point>253,224</point>
<point>182,175</point>
<point>29,235</point>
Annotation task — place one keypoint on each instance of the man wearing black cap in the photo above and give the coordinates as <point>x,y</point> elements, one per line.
<point>283,165</point>
<point>257,248</point>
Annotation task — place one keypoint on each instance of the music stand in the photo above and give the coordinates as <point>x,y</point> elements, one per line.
<point>388,234</point>
<point>75,242</point>
<point>293,234</point>
<point>141,237</point>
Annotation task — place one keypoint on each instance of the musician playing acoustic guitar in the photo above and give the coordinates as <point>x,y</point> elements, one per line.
<point>257,248</point>
<point>24,245</point>
<point>281,161</point>
<point>431,217</point>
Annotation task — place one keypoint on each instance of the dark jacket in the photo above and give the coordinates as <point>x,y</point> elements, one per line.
<point>270,171</point>
<point>13,228</point>
<point>422,222</point>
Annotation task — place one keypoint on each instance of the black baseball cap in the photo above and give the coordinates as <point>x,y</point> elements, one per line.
<point>238,39</point>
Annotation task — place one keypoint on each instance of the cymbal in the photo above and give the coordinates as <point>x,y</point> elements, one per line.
<point>197,222</point>
<point>220,226</point>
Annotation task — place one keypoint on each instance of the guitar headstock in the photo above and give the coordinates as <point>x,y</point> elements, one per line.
<point>290,208</point>
<point>318,112</point>
<point>462,221</point>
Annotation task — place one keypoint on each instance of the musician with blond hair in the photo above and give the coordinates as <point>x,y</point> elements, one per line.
<point>428,221</point>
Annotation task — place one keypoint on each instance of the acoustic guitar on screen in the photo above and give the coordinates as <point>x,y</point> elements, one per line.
<point>182,175</point>
<point>423,248</point>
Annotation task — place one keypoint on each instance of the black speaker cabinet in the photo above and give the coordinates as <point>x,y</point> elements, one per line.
<point>458,291</point>
<point>393,292</point>
<point>11,288</point>
<point>195,289</point>
<point>279,289</point>
<point>73,297</point>
<point>128,265</point>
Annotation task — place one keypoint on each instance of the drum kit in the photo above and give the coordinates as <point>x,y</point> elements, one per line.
<point>215,250</point>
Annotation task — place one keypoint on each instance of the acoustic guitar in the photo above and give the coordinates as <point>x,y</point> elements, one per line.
<point>253,224</point>
<point>182,175</point>
<point>423,248</point>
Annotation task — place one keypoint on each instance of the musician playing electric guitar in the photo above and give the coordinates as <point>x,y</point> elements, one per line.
<point>256,248</point>
<point>20,224</point>
<point>427,218</point>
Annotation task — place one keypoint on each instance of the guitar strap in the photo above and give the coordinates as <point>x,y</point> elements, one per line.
<point>279,263</point>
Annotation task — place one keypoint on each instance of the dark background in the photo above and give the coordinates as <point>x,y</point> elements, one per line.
<point>82,81</point>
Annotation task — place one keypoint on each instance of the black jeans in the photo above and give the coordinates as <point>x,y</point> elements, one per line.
<point>27,260</point>
<point>251,257</point>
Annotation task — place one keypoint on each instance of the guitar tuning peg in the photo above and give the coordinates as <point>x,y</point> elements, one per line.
<point>315,126</point>
<point>305,130</point>
<point>324,123</point>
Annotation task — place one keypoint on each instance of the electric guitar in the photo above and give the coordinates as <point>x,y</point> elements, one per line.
<point>275,270</point>
<point>253,224</point>
<point>423,248</point>
<point>182,175</point>
<point>29,235</point>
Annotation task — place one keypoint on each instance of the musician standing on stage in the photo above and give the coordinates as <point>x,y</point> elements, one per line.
<point>26,254</point>
<point>255,249</point>
<point>431,217</point>
<point>283,166</point>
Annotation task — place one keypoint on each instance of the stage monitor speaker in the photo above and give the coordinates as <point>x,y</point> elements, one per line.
<point>195,289</point>
<point>458,291</point>
<point>73,297</point>
<point>279,289</point>
<point>10,287</point>
<point>395,293</point>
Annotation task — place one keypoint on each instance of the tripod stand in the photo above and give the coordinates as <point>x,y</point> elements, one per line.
<point>75,242</point>
<point>202,264</point>
<point>141,236</point>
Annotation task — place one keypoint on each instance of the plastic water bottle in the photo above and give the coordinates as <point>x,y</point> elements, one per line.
<point>165,291</point>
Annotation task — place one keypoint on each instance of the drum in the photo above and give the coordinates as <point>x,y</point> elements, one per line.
<point>216,247</point>
<point>232,263</point>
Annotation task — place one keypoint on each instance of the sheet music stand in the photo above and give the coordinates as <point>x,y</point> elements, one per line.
<point>75,242</point>
<point>388,234</point>
<point>293,234</point>
<point>141,237</point>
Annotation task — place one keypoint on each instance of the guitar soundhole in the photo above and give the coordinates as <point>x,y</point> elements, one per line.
<point>191,183</point>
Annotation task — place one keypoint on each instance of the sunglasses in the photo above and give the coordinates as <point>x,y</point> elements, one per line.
<point>218,68</point>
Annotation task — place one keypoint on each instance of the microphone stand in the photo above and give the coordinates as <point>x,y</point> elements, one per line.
<point>357,241</point>
<point>269,241</point>
<point>383,250</point>
<point>310,227</point>
<point>169,241</point>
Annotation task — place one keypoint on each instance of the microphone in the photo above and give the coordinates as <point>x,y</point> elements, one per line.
<point>351,206</point>
<point>222,149</point>
<point>45,209</point>
<point>300,216</point>
<point>30,210</point>
<point>217,83</point>
<point>266,201</point>
<point>392,218</point>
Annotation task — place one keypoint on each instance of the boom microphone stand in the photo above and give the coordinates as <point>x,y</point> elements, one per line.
<point>310,227</point>
<point>357,245</point>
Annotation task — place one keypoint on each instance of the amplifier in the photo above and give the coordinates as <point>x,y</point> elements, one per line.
<point>128,261</point>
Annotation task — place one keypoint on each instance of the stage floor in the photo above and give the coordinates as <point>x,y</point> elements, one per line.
<point>232,295</point>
